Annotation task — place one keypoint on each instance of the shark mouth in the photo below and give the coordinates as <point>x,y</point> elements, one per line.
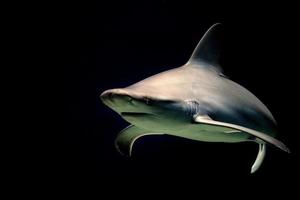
<point>134,114</point>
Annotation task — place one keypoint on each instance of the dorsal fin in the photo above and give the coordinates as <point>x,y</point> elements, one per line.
<point>208,49</point>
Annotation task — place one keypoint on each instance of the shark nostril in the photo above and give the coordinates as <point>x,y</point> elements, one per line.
<point>110,96</point>
<point>116,96</point>
<point>107,96</point>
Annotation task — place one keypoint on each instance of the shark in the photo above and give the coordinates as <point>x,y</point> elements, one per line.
<point>194,101</point>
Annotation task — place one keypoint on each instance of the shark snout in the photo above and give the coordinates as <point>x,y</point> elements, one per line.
<point>115,97</point>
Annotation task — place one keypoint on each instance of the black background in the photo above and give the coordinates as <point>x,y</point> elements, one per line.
<point>115,44</point>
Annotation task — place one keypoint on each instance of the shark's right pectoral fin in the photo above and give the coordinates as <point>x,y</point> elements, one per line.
<point>260,138</point>
<point>264,137</point>
<point>126,138</point>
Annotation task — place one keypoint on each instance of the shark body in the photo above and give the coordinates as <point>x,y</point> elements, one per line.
<point>194,101</point>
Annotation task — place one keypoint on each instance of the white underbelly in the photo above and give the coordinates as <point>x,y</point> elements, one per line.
<point>207,133</point>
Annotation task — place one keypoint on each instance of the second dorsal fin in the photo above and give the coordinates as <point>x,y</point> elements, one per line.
<point>209,47</point>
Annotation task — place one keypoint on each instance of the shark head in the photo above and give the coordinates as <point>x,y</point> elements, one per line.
<point>155,100</point>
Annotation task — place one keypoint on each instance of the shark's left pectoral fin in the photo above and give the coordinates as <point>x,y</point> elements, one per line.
<point>260,157</point>
<point>126,138</point>
<point>264,137</point>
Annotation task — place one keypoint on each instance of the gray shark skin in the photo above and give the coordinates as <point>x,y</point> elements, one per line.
<point>194,101</point>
